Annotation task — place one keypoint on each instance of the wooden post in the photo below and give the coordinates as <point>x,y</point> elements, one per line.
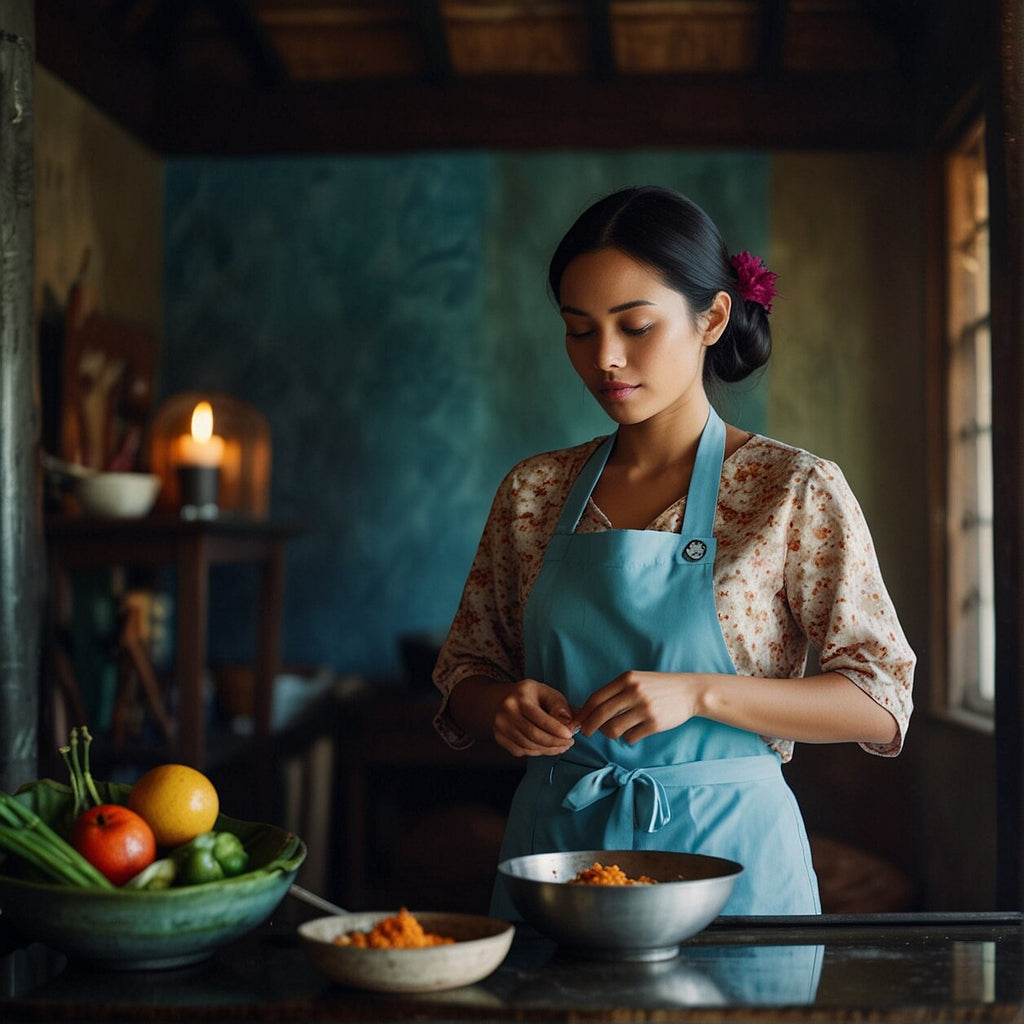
<point>22,561</point>
<point>1005,157</point>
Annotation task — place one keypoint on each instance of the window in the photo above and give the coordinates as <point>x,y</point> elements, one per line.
<point>969,570</point>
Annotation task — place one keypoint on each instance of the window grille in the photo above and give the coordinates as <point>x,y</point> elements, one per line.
<point>970,609</point>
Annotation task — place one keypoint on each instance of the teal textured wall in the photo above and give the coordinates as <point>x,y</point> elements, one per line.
<point>389,316</point>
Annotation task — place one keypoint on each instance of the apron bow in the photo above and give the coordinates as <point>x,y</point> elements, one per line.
<point>651,810</point>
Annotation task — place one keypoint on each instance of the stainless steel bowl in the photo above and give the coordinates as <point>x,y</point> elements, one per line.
<point>620,922</point>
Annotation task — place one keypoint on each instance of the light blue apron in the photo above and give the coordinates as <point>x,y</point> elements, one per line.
<point>616,600</point>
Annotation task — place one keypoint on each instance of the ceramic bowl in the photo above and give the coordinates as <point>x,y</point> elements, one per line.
<point>620,922</point>
<point>137,930</point>
<point>481,944</point>
<point>118,495</point>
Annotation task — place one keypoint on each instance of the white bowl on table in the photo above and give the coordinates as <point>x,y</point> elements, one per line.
<point>117,495</point>
<point>481,944</point>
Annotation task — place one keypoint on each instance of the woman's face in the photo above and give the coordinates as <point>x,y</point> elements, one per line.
<point>632,339</point>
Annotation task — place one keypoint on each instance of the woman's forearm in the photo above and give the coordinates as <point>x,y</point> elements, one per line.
<point>474,703</point>
<point>827,708</point>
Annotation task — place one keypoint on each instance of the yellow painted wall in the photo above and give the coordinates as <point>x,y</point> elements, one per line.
<point>848,369</point>
<point>97,189</point>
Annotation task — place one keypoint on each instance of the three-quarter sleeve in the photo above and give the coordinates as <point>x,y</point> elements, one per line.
<point>835,591</point>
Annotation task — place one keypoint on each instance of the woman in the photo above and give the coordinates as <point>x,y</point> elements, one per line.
<point>637,619</point>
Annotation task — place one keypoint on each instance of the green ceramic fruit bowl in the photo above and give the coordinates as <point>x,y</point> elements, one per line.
<point>137,929</point>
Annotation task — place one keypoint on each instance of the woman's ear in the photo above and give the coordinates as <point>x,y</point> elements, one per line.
<point>716,317</point>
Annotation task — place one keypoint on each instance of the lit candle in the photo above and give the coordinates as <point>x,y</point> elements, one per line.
<point>202,447</point>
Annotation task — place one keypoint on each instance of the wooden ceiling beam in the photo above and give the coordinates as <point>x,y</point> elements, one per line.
<point>251,38</point>
<point>159,33</point>
<point>772,37</point>
<point>599,30</point>
<point>122,12</point>
<point>109,72</point>
<point>435,40</point>
<point>831,111</point>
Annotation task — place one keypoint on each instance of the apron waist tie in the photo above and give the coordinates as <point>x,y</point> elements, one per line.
<point>646,786</point>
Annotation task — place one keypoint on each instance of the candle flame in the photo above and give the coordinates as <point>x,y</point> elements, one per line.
<point>202,422</point>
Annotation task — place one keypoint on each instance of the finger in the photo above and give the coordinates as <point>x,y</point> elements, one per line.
<point>574,722</point>
<point>600,695</point>
<point>521,748</point>
<point>546,722</point>
<point>531,738</point>
<point>604,703</point>
<point>637,733</point>
<point>569,717</point>
<point>629,726</point>
<point>562,713</point>
<point>525,724</point>
<point>616,726</point>
<point>604,713</point>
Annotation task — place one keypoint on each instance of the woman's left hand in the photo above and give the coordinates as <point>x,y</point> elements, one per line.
<point>638,704</point>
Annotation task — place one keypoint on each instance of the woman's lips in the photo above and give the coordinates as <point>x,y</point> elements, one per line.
<point>617,390</point>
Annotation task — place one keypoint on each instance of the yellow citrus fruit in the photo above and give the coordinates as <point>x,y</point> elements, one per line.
<point>177,802</point>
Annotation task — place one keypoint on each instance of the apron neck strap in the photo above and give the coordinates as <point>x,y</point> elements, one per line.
<point>572,511</point>
<point>702,496</point>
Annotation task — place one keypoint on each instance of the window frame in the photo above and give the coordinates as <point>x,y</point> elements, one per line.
<point>953,697</point>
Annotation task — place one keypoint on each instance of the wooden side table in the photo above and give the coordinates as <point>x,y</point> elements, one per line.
<point>190,548</point>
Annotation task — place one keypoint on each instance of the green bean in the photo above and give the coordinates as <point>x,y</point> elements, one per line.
<point>25,835</point>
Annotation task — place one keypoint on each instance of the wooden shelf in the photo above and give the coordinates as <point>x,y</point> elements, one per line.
<point>190,547</point>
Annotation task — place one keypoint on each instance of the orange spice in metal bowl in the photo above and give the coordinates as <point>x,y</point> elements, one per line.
<point>598,874</point>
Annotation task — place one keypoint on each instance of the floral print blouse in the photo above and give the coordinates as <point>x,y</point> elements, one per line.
<point>795,566</point>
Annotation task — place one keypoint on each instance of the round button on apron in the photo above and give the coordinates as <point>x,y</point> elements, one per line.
<point>695,551</point>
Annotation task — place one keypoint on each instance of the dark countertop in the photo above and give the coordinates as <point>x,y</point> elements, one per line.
<point>879,968</point>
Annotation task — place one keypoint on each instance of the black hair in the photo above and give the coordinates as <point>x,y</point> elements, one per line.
<point>675,238</point>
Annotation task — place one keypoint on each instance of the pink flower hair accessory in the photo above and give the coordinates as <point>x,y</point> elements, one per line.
<point>756,281</point>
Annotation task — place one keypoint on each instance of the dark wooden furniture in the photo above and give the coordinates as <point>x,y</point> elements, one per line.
<point>412,808</point>
<point>190,548</point>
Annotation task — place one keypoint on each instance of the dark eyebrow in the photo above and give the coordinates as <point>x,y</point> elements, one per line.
<point>614,309</point>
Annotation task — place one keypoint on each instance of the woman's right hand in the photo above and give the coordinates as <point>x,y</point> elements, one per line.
<point>533,719</point>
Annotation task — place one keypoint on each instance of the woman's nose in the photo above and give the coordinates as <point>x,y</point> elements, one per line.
<point>610,354</point>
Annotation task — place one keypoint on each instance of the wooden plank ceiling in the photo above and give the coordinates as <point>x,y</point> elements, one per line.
<point>290,76</point>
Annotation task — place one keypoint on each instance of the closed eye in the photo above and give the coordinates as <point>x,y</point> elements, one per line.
<point>631,332</point>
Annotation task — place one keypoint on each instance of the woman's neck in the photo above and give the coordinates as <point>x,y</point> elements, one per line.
<point>650,467</point>
<point>665,442</point>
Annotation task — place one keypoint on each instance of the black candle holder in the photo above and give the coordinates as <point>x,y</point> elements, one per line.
<point>199,487</point>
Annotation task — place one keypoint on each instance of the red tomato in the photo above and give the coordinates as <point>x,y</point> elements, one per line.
<point>115,840</point>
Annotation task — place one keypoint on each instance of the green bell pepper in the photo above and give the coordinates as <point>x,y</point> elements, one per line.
<point>210,857</point>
